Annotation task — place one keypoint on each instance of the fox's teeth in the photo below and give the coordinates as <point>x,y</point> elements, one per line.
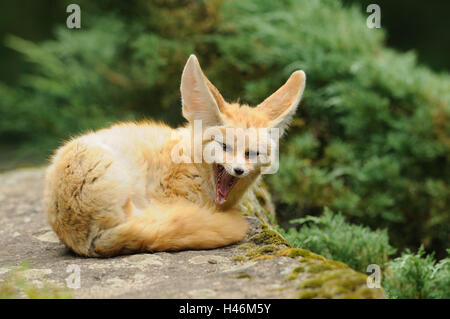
<point>221,172</point>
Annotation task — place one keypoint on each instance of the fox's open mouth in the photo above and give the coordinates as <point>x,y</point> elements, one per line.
<point>224,183</point>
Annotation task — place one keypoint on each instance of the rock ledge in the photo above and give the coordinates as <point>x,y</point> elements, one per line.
<point>263,266</point>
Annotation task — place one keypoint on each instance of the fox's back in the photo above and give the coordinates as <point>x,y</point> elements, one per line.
<point>118,163</point>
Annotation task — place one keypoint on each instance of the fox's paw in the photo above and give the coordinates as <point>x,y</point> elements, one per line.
<point>241,229</point>
<point>235,227</point>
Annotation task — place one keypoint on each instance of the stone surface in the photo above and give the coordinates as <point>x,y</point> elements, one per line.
<point>262,266</point>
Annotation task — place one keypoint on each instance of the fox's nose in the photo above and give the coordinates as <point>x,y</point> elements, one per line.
<point>238,171</point>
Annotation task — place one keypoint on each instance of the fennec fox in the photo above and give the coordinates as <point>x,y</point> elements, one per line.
<point>124,190</point>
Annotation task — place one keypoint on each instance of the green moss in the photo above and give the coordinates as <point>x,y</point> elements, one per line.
<point>298,252</point>
<point>263,257</point>
<point>258,252</point>
<point>261,250</point>
<point>238,258</point>
<point>366,293</point>
<point>327,278</point>
<point>262,195</point>
<point>16,286</point>
<point>242,275</point>
<point>299,269</point>
<point>291,276</point>
<point>307,294</point>
<point>8,290</point>
<point>268,236</point>
<point>318,268</point>
<point>279,289</point>
<point>337,283</point>
<point>312,283</point>
<point>246,246</point>
<point>48,292</point>
<point>336,264</point>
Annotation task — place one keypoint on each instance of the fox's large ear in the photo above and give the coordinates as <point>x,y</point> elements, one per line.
<point>200,99</point>
<point>280,107</point>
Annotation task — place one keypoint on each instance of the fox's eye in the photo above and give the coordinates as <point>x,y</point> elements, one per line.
<point>251,154</point>
<point>224,147</point>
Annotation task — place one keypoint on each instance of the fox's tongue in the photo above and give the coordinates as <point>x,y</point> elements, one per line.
<point>225,183</point>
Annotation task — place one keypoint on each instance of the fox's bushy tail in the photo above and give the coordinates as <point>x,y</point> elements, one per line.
<point>182,225</point>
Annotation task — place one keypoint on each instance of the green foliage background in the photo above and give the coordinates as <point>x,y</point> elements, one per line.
<point>370,140</point>
<point>336,239</point>
<point>418,276</point>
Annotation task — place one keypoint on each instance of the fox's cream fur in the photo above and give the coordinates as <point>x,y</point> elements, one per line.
<point>118,191</point>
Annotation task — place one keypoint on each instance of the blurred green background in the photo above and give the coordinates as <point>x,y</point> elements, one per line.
<point>371,139</point>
